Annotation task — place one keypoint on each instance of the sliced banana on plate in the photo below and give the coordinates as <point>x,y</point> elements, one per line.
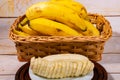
<point>61,66</point>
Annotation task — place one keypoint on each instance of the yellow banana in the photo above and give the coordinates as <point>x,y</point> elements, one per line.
<point>76,6</point>
<point>49,27</point>
<point>27,29</point>
<point>56,12</point>
<point>24,21</point>
<point>91,29</point>
<point>20,33</point>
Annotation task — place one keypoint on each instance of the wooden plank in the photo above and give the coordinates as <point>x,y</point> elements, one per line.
<point>14,64</point>
<point>105,7</point>
<point>7,47</point>
<point>9,64</point>
<point>112,45</point>
<point>7,77</point>
<point>11,77</point>
<point>12,8</point>
<point>6,7</point>
<point>114,22</point>
<point>112,68</point>
<point>4,26</point>
<point>110,58</point>
<point>113,76</point>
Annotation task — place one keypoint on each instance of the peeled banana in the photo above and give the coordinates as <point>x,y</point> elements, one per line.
<point>55,12</point>
<point>50,27</point>
<point>61,66</point>
<point>76,6</point>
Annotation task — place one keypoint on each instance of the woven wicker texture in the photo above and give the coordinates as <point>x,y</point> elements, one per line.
<point>90,46</point>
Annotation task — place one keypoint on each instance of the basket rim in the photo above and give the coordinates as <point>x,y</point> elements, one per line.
<point>16,38</point>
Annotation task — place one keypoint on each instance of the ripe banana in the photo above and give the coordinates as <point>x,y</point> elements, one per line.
<point>76,6</point>
<point>91,29</point>
<point>27,29</point>
<point>56,12</point>
<point>20,33</point>
<point>50,27</point>
<point>24,21</point>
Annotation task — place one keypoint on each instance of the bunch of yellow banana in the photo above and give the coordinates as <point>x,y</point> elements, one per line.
<point>57,18</point>
<point>24,29</point>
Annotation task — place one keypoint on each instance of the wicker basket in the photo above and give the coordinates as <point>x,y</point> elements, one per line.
<point>92,47</point>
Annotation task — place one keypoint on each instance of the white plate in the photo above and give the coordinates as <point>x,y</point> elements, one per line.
<point>35,77</point>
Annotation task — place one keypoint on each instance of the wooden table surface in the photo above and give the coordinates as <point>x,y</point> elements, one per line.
<point>11,9</point>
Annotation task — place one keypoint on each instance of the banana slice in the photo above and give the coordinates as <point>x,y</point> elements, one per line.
<point>32,62</point>
<point>67,68</point>
<point>63,71</point>
<point>47,71</point>
<point>71,68</point>
<point>54,70</point>
<point>91,67</point>
<point>41,66</point>
<point>79,67</point>
<point>51,70</point>
<point>44,68</point>
<point>58,70</point>
<point>38,64</point>
<point>74,69</point>
<point>35,66</point>
<point>86,68</point>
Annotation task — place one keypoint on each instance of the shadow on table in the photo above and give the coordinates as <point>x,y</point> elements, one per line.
<point>110,77</point>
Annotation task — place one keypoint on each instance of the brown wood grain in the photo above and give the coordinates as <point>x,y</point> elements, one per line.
<point>13,8</point>
<point>11,77</point>
<point>110,62</point>
<point>5,24</point>
<point>113,76</point>
<point>7,47</point>
<point>7,77</point>
<point>9,64</point>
